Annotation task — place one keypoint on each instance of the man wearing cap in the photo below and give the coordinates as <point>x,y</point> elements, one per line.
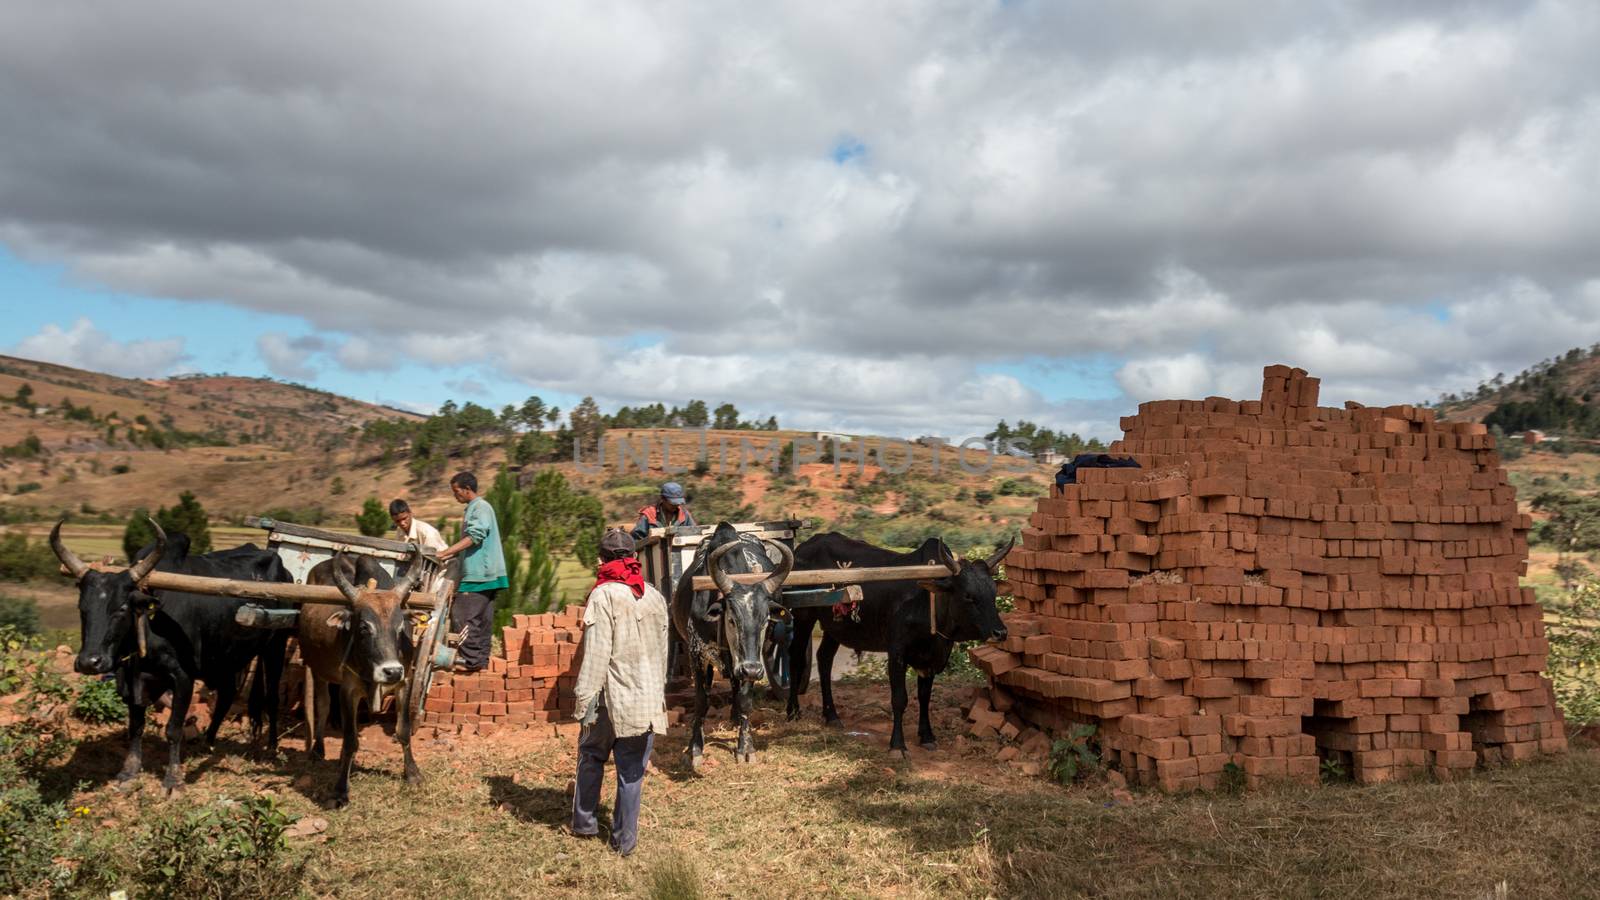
<point>621,690</point>
<point>669,509</point>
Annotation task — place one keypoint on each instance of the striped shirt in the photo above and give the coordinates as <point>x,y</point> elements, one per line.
<point>625,658</point>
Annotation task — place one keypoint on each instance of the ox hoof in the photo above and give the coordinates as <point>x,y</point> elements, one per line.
<point>901,751</point>
<point>793,715</point>
<point>171,788</point>
<point>833,722</point>
<point>748,756</point>
<point>341,802</point>
<point>414,778</point>
<point>696,761</point>
<point>127,775</point>
<point>930,745</point>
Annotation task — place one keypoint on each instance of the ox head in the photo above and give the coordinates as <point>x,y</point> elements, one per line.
<point>746,607</point>
<point>970,587</point>
<point>374,622</point>
<point>108,603</point>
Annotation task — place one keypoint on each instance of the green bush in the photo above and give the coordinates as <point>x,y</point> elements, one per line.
<point>32,834</point>
<point>27,487</point>
<point>1074,756</point>
<point>227,849</point>
<point>25,560</point>
<point>1574,663</point>
<point>374,518</point>
<point>1016,487</point>
<point>19,613</point>
<point>98,702</point>
<point>186,516</point>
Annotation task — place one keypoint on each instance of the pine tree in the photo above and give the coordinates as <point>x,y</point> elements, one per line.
<point>374,519</point>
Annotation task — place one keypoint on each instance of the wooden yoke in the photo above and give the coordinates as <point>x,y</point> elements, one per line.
<point>265,591</point>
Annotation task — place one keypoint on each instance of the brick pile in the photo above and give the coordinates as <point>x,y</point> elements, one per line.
<point>1281,584</point>
<point>528,687</point>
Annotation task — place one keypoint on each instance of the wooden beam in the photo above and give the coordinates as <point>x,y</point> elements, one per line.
<point>819,577</point>
<point>267,591</point>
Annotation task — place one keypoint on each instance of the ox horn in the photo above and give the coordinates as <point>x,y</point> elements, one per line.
<point>714,567</point>
<point>77,567</point>
<point>785,565</point>
<point>408,581</point>
<point>948,559</point>
<point>1000,554</point>
<point>341,581</point>
<point>147,565</point>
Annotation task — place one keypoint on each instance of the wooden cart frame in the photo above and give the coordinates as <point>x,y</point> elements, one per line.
<point>301,548</point>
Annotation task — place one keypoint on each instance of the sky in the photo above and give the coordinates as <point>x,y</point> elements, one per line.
<point>906,217</point>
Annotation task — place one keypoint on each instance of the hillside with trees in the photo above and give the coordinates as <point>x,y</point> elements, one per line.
<point>1560,395</point>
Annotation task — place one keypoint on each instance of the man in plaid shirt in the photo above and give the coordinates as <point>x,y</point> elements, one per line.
<point>621,691</point>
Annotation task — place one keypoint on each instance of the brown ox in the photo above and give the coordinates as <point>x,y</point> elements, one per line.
<point>365,648</point>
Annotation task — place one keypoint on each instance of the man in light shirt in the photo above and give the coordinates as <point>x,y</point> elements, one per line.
<point>413,530</point>
<point>621,689</point>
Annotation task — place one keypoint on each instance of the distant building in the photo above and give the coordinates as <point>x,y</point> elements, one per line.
<point>1533,436</point>
<point>834,436</point>
<point>1052,458</point>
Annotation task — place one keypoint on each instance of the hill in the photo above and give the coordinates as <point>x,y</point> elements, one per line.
<point>88,444</point>
<point>1559,395</point>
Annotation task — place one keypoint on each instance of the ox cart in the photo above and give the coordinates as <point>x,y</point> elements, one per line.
<point>301,548</point>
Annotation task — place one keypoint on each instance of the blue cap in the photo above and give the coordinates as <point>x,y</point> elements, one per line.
<point>672,491</point>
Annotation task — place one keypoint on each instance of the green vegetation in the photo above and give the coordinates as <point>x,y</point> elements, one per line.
<point>25,560</point>
<point>29,447</point>
<point>98,701</point>
<point>1574,663</point>
<point>187,517</point>
<point>1074,756</point>
<point>1036,439</point>
<point>23,397</point>
<point>374,519</point>
<point>19,614</point>
<point>548,517</point>
<point>1572,527</point>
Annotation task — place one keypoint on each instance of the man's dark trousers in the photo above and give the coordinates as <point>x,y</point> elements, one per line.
<point>474,612</point>
<point>597,744</point>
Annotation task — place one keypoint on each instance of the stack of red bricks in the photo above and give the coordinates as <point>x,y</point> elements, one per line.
<point>528,687</point>
<point>1282,584</point>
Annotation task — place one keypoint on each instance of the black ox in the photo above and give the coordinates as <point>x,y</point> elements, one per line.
<point>894,617</point>
<point>167,640</point>
<point>724,630</point>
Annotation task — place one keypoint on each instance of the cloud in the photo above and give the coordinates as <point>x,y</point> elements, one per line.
<point>287,357</point>
<point>854,205</point>
<point>468,386</point>
<point>84,346</point>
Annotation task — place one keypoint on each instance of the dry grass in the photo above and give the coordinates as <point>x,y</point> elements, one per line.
<point>827,813</point>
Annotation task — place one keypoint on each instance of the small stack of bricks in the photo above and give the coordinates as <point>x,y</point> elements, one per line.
<point>529,687</point>
<point>1281,584</point>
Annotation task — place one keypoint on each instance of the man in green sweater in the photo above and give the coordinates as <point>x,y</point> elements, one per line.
<point>483,573</point>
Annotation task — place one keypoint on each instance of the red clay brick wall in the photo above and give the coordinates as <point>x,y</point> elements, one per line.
<point>529,687</point>
<point>1281,582</point>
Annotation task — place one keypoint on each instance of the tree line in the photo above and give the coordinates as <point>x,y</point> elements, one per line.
<point>531,432</point>
<point>1037,439</point>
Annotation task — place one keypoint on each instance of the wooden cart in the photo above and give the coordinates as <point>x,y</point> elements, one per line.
<point>301,548</point>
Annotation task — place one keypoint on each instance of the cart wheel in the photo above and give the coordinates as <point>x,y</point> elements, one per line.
<point>430,652</point>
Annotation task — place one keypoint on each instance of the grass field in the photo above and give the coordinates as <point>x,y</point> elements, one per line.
<point>829,813</point>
